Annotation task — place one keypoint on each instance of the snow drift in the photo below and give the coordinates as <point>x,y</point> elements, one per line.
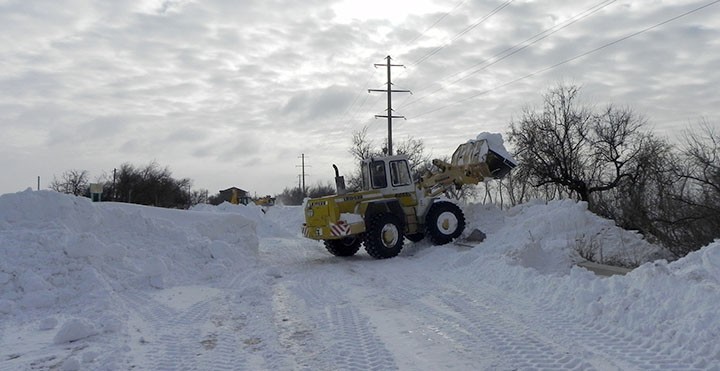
<point>67,252</point>
<point>70,268</point>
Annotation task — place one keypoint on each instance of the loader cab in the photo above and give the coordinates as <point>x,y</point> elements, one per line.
<point>389,175</point>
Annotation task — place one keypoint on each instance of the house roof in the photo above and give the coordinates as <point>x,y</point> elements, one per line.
<point>233,189</point>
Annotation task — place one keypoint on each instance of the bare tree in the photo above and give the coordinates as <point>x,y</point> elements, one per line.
<point>320,190</point>
<point>295,196</point>
<point>696,201</point>
<point>642,200</point>
<point>199,197</point>
<point>701,154</point>
<point>518,186</point>
<point>74,182</point>
<point>569,146</point>
<point>414,149</point>
<point>153,185</point>
<point>362,146</point>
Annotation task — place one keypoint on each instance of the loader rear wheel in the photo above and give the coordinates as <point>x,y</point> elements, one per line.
<point>444,222</point>
<point>384,236</point>
<point>343,247</point>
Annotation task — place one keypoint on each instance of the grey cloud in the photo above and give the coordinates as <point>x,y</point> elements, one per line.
<point>248,82</point>
<point>313,105</point>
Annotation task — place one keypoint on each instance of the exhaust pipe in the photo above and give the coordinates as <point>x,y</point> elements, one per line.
<point>339,182</point>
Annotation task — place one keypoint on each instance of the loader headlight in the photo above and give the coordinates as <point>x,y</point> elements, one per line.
<point>309,212</point>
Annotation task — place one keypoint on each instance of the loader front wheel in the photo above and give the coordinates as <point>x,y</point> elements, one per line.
<point>444,222</point>
<point>384,236</point>
<point>343,247</point>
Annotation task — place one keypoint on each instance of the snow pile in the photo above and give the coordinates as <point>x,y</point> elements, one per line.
<point>531,249</point>
<point>274,221</point>
<point>67,252</point>
<point>675,303</point>
<point>702,266</point>
<point>106,285</point>
<point>548,237</point>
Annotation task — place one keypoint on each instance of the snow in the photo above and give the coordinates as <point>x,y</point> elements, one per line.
<point>74,330</point>
<point>496,143</point>
<point>108,286</point>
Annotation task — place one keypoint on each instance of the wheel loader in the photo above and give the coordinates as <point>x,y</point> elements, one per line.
<point>391,206</point>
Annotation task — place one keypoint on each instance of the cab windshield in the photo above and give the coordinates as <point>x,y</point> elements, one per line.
<point>399,173</point>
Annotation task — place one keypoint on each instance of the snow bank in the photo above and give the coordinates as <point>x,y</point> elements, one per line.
<point>530,250</point>
<point>66,254</point>
<point>274,221</point>
<point>547,237</point>
<point>69,268</point>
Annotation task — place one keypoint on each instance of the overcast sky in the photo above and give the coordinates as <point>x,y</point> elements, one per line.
<point>231,93</point>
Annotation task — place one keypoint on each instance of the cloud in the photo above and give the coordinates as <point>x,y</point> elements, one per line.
<point>199,85</point>
<point>319,104</point>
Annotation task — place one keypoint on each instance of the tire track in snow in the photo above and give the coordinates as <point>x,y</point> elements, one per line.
<point>358,347</point>
<point>346,336</point>
<point>473,340</point>
<point>251,295</point>
<point>173,339</point>
<point>519,344</point>
<point>608,345</point>
<point>314,323</point>
<point>416,326</point>
<point>297,334</point>
<point>453,323</point>
<point>521,333</point>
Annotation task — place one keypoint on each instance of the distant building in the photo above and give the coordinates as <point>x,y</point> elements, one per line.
<point>234,195</point>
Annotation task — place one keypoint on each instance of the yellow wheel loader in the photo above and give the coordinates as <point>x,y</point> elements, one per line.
<point>391,206</point>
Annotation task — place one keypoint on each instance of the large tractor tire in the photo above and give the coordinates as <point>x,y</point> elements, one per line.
<point>384,236</point>
<point>444,222</point>
<point>344,247</point>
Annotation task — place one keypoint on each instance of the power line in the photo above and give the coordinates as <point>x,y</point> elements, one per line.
<point>498,57</point>
<point>458,35</point>
<point>407,44</point>
<point>461,33</point>
<point>364,100</point>
<point>364,88</point>
<point>574,58</point>
<point>357,96</point>
<point>435,23</point>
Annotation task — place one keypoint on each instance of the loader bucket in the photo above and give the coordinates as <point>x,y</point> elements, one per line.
<point>499,165</point>
<point>477,152</point>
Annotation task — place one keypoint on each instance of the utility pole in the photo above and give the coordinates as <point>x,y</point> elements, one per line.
<point>304,190</point>
<point>389,90</point>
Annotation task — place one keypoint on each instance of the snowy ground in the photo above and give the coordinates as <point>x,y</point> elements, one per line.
<point>110,286</point>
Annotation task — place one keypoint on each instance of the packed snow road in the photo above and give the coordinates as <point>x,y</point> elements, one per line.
<point>120,287</point>
<point>309,310</point>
